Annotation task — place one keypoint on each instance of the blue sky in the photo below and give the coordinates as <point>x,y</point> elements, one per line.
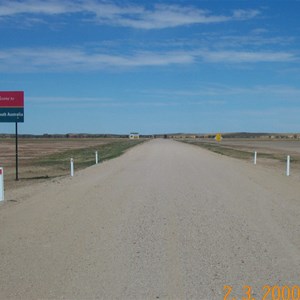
<point>152,66</point>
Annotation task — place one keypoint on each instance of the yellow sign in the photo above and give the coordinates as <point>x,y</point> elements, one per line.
<point>218,137</point>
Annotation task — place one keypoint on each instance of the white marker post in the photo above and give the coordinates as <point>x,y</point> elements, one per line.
<point>255,157</point>
<point>96,154</point>
<point>72,167</point>
<point>288,162</point>
<point>1,185</point>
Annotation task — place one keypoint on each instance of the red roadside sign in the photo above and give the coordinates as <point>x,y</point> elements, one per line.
<point>12,111</point>
<point>12,106</point>
<point>12,99</point>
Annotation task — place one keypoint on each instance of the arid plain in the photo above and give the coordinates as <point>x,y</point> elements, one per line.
<point>271,153</point>
<point>45,158</point>
<point>166,220</point>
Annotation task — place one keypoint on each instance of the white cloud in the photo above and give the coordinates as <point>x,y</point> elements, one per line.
<point>250,41</point>
<point>160,16</point>
<point>94,102</point>
<point>242,14</point>
<point>164,16</point>
<point>61,59</point>
<point>10,8</point>
<point>287,91</point>
<point>79,59</point>
<point>247,56</point>
<point>278,92</point>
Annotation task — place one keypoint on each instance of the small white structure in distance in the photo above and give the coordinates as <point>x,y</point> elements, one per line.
<point>134,135</point>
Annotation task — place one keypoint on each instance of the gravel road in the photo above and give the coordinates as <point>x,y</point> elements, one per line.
<point>166,220</point>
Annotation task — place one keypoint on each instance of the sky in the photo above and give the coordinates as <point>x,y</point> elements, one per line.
<point>160,66</point>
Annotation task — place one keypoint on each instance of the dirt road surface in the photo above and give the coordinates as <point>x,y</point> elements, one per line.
<point>166,220</point>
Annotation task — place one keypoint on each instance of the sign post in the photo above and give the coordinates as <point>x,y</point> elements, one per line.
<point>288,162</point>
<point>72,167</point>
<point>12,111</point>
<point>1,185</point>
<point>96,156</point>
<point>17,153</point>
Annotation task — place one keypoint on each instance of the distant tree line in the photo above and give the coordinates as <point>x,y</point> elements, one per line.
<point>240,135</point>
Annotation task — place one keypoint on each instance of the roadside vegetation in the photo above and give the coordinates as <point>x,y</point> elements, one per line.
<point>85,157</point>
<point>46,158</point>
<point>235,152</point>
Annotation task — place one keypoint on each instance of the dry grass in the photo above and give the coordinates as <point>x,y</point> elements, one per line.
<point>41,159</point>
<point>270,155</point>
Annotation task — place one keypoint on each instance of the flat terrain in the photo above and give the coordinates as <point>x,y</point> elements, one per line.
<point>271,154</point>
<point>44,158</point>
<point>166,220</point>
<point>291,147</point>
